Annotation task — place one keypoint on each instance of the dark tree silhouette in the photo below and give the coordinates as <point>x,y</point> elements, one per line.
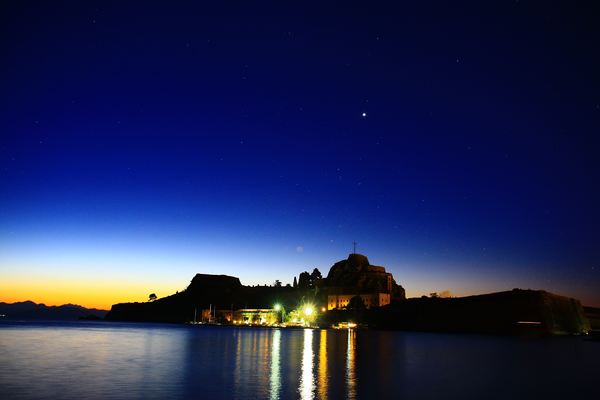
<point>356,303</point>
<point>152,297</point>
<point>304,280</point>
<point>295,282</point>
<point>316,274</point>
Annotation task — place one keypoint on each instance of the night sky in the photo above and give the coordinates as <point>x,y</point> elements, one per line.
<point>455,142</point>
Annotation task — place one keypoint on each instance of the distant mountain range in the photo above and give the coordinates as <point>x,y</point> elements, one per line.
<point>30,310</point>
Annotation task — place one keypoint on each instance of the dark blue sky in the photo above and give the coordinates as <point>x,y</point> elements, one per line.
<point>143,143</point>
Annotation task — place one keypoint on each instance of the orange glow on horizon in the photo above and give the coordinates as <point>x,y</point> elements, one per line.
<point>99,294</point>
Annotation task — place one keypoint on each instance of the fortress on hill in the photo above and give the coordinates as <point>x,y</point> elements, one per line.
<point>357,277</point>
<point>354,278</point>
<point>355,290</point>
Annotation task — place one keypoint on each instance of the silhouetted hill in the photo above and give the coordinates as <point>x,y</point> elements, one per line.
<point>352,276</point>
<point>206,291</point>
<point>8,308</point>
<point>30,310</point>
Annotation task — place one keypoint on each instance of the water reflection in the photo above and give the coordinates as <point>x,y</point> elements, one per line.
<point>275,366</point>
<point>323,378</point>
<point>307,383</point>
<point>132,361</point>
<point>253,368</point>
<point>350,367</point>
<point>237,373</point>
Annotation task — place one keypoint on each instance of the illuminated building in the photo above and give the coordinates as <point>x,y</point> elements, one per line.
<point>370,300</point>
<point>256,316</point>
<point>357,277</point>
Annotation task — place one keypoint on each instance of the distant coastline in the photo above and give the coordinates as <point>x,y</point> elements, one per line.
<point>30,310</point>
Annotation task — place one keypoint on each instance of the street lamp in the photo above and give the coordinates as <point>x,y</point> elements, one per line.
<point>308,313</point>
<point>278,307</point>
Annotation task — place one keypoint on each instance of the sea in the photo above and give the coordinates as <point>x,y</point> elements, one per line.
<point>81,359</point>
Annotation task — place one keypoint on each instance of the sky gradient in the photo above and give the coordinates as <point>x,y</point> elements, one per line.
<point>142,144</point>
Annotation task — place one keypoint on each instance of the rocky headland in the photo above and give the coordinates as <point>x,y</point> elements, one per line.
<point>512,312</point>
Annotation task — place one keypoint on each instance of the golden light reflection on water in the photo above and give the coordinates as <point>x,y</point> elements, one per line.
<point>307,382</point>
<point>323,378</point>
<point>350,367</point>
<point>91,360</point>
<point>270,358</point>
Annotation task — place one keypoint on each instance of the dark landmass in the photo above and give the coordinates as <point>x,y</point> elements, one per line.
<point>31,310</point>
<point>352,276</point>
<point>512,312</point>
<point>7,308</point>
<point>208,291</point>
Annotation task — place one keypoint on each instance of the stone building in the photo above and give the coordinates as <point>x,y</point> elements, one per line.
<point>357,277</point>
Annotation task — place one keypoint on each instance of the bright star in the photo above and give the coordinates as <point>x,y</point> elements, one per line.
<point>364,114</point>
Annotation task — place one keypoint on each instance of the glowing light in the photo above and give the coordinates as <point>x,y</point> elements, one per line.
<point>275,377</point>
<point>307,379</point>
<point>278,307</point>
<point>350,367</point>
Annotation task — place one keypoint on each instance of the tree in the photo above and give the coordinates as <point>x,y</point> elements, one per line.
<point>356,303</point>
<point>433,295</point>
<point>445,294</point>
<point>277,283</point>
<point>152,297</point>
<point>304,280</point>
<point>295,282</point>
<point>316,274</point>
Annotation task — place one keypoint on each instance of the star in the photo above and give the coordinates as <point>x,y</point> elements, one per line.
<point>364,114</point>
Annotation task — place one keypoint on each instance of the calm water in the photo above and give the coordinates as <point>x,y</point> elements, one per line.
<point>103,360</point>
